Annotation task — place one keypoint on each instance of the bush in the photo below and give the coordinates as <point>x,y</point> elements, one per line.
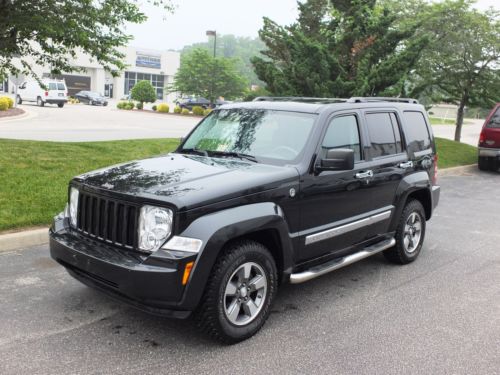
<point>10,102</point>
<point>139,105</point>
<point>129,105</point>
<point>125,105</point>
<point>4,104</point>
<point>154,108</point>
<point>198,111</point>
<point>163,108</point>
<point>143,92</point>
<point>177,109</point>
<point>207,111</point>
<point>185,111</point>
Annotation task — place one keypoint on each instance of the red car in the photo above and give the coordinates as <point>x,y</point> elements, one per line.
<point>489,142</point>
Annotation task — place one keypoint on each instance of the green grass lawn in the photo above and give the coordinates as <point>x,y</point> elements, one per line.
<point>34,175</point>
<point>453,154</point>
<point>440,121</point>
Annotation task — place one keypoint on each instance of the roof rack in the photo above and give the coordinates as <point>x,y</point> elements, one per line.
<point>354,99</point>
<point>298,99</point>
<point>366,99</point>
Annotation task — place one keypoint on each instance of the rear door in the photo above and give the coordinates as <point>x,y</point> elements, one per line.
<point>57,90</point>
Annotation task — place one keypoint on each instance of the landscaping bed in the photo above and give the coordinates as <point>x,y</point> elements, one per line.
<point>34,175</point>
<point>11,112</point>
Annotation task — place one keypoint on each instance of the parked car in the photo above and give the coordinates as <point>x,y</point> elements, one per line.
<point>258,194</point>
<point>91,98</point>
<point>191,102</point>
<point>53,92</point>
<point>489,142</point>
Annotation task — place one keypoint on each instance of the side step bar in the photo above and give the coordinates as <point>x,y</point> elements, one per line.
<point>335,264</point>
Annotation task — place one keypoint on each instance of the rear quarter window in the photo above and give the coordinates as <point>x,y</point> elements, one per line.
<point>60,86</point>
<point>494,121</point>
<point>416,132</point>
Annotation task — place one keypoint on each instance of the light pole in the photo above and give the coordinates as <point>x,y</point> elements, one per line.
<point>214,34</point>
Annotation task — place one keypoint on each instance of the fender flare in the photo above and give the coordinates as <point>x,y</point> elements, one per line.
<point>217,228</point>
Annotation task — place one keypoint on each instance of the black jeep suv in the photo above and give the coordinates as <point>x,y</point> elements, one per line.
<point>258,194</point>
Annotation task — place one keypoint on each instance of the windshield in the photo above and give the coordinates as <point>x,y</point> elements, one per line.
<point>263,134</point>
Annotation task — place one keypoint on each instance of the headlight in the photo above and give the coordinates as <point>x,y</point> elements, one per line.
<point>155,226</point>
<point>73,205</point>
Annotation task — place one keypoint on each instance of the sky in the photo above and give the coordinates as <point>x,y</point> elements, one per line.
<point>192,18</point>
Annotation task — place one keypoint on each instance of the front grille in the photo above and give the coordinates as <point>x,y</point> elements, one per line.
<point>107,220</point>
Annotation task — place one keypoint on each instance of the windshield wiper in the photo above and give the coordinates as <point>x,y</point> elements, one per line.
<point>235,155</point>
<point>194,151</point>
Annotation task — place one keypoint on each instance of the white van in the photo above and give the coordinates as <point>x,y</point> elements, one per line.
<point>55,92</point>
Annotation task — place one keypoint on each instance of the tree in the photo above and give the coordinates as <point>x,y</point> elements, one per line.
<point>143,92</point>
<point>48,32</point>
<point>201,74</point>
<point>241,49</point>
<point>338,48</point>
<point>461,64</point>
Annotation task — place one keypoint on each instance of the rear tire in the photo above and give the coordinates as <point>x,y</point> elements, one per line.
<point>237,298</point>
<point>39,102</point>
<point>483,164</point>
<point>410,234</point>
<point>60,105</point>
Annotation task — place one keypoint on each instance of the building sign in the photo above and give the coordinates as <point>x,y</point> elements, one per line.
<point>74,83</point>
<point>148,61</point>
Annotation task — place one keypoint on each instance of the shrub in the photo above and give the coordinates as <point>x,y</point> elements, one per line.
<point>154,108</point>
<point>4,104</point>
<point>198,111</point>
<point>207,111</point>
<point>177,109</point>
<point>9,100</point>
<point>139,105</point>
<point>129,105</point>
<point>185,111</point>
<point>163,108</point>
<point>143,92</point>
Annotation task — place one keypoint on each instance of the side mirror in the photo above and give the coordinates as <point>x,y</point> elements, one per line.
<point>337,159</point>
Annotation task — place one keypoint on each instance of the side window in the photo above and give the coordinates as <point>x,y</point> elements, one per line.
<point>416,132</point>
<point>382,134</point>
<point>343,132</point>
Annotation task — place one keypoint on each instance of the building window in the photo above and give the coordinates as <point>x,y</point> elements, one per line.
<point>157,80</point>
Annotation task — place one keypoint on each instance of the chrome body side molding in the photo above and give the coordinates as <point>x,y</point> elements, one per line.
<point>337,231</point>
<point>297,278</point>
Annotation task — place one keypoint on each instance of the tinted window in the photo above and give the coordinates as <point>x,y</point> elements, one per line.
<point>343,132</point>
<point>416,133</point>
<point>381,130</point>
<point>494,120</point>
<point>52,86</point>
<point>60,86</point>
<point>397,132</point>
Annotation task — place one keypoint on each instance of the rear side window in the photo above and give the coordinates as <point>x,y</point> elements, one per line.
<point>416,132</point>
<point>494,120</point>
<point>60,86</point>
<point>384,134</point>
<point>52,86</point>
<point>343,132</point>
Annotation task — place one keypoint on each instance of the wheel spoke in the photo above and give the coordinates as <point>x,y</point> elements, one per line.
<point>231,289</point>
<point>249,307</point>
<point>234,310</point>
<point>247,269</point>
<point>257,283</point>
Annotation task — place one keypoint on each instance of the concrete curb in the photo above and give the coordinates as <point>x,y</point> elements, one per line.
<point>20,240</point>
<point>457,171</point>
<point>26,115</point>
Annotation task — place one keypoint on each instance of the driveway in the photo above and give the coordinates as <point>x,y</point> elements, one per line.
<point>79,123</point>
<point>438,315</point>
<point>470,131</point>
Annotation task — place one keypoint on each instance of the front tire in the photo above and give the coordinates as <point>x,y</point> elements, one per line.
<point>410,234</point>
<point>19,100</point>
<point>237,299</point>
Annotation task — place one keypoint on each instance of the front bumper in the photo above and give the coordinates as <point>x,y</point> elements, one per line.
<point>150,283</point>
<point>489,152</point>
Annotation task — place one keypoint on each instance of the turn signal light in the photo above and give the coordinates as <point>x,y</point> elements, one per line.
<point>187,272</point>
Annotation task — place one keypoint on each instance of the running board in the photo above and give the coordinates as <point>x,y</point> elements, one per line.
<point>335,264</point>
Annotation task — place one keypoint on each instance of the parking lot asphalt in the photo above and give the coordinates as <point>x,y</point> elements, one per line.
<point>438,315</point>
<point>82,123</point>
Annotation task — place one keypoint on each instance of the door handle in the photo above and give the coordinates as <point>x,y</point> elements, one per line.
<point>406,165</point>
<point>366,174</point>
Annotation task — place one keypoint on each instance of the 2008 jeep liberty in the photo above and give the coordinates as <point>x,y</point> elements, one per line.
<point>259,193</point>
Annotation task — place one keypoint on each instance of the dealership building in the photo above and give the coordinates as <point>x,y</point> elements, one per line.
<point>157,67</point>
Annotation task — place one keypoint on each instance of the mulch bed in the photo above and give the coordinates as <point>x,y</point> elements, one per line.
<point>11,112</point>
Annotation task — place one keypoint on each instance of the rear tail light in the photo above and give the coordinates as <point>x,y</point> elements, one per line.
<point>46,93</point>
<point>481,138</point>
<point>435,174</point>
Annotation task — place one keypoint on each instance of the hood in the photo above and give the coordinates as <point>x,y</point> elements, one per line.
<point>188,181</point>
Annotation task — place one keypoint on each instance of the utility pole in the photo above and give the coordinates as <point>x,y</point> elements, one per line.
<point>214,34</point>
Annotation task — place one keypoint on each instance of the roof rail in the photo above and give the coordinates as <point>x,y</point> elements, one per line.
<point>361,99</point>
<point>298,99</point>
